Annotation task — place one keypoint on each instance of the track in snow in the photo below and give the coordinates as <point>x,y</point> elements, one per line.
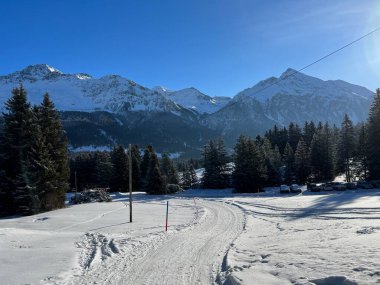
<point>192,256</point>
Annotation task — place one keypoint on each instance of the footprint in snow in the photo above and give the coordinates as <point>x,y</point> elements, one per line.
<point>367,230</point>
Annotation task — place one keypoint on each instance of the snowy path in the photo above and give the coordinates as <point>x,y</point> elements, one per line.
<point>188,256</point>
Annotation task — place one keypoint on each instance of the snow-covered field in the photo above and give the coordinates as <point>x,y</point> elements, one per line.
<point>214,237</point>
<point>308,239</point>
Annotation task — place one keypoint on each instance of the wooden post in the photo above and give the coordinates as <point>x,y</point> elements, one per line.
<point>130,183</point>
<point>167,216</point>
<point>76,187</point>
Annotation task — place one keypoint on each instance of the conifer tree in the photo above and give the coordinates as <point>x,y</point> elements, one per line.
<point>40,169</point>
<point>288,160</point>
<point>250,170</point>
<point>302,161</point>
<point>56,146</point>
<point>361,153</point>
<point>215,164</point>
<point>136,173</point>
<point>103,169</point>
<point>16,146</point>
<point>374,138</point>
<point>272,160</point>
<point>308,133</point>
<point>168,171</point>
<point>120,175</point>
<point>154,182</point>
<point>193,175</point>
<point>346,147</point>
<point>294,134</point>
<point>186,178</point>
<point>321,153</point>
<point>145,162</point>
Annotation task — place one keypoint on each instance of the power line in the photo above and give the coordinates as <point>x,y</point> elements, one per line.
<point>314,62</point>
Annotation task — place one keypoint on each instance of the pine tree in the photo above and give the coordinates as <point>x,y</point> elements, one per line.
<point>120,175</point>
<point>145,162</point>
<point>168,171</point>
<point>288,160</point>
<point>136,173</point>
<point>186,178</point>
<point>302,161</point>
<point>5,193</point>
<point>346,147</point>
<point>103,169</point>
<point>215,164</point>
<point>55,143</point>
<point>294,134</point>
<point>374,138</point>
<point>250,170</point>
<point>321,154</point>
<point>361,153</point>
<point>40,169</point>
<point>193,175</point>
<point>154,182</point>
<point>308,133</point>
<point>16,145</point>
<point>272,160</point>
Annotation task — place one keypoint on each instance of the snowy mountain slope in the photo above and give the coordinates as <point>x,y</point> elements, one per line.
<point>193,99</point>
<point>81,92</point>
<point>296,83</point>
<point>290,98</point>
<point>161,89</point>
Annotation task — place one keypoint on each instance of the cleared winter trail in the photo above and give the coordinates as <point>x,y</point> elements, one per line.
<point>188,256</point>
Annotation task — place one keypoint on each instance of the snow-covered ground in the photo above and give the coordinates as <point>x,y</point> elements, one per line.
<point>306,239</point>
<point>214,236</point>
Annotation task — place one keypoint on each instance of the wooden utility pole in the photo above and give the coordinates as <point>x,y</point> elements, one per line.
<point>76,187</point>
<point>130,183</point>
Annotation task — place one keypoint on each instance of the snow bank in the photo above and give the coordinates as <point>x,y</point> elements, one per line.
<point>53,247</point>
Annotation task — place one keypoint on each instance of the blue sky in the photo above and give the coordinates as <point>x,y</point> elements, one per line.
<point>220,47</point>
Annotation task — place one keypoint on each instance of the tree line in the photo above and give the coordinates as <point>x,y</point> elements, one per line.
<point>312,153</point>
<point>34,167</point>
<point>111,170</point>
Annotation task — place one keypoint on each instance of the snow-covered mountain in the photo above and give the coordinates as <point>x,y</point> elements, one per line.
<point>293,97</point>
<point>295,83</point>
<point>81,92</point>
<point>193,99</point>
<point>112,93</point>
<point>185,117</point>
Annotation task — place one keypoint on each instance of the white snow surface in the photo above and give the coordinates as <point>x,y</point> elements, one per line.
<point>215,236</point>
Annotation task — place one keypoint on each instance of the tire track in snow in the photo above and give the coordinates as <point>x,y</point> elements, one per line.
<point>188,256</point>
<point>193,257</point>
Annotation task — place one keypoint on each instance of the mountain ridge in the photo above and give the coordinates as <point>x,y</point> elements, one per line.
<point>292,97</point>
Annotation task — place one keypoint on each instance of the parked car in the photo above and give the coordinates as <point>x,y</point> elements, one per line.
<point>295,188</point>
<point>375,183</point>
<point>310,186</point>
<point>351,185</point>
<point>339,186</point>
<point>284,189</point>
<point>318,187</point>
<point>328,187</point>
<point>364,185</point>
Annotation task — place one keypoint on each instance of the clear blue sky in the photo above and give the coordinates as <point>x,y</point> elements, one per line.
<point>217,46</point>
